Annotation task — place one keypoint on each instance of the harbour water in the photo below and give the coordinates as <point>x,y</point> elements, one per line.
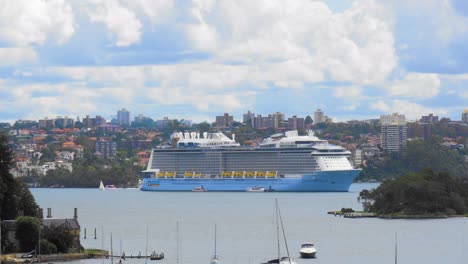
<point>246,229</point>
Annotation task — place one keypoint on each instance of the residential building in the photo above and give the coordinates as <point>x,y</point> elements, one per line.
<point>319,117</point>
<point>295,122</point>
<point>224,121</point>
<point>278,119</point>
<point>248,118</point>
<point>64,122</point>
<point>106,148</point>
<point>429,119</point>
<point>123,117</point>
<point>164,122</point>
<point>393,132</point>
<point>47,123</point>
<point>263,121</point>
<point>93,122</point>
<point>465,116</point>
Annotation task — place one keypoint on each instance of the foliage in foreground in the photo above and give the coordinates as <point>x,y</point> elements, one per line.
<point>14,195</point>
<point>424,193</point>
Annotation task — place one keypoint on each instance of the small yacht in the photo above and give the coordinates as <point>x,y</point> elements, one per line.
<point>283,260</point>
<point>307,250</point>
<point>256,189</point>
<point>199,189</point>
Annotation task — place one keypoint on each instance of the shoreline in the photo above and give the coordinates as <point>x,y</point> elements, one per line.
<point>15,258</point>
<point>362,214</point>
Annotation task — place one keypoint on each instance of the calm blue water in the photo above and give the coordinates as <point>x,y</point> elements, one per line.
<point>246,227</point>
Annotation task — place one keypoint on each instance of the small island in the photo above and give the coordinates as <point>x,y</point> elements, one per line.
<point>426,194</point>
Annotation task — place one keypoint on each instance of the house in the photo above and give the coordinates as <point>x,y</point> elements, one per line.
<point>12,244</point>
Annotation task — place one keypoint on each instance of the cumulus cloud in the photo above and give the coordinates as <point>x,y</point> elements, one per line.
<point>356,45</point>
<point>24,22</point>
<point>411,110</point>
<point>416,85</point>
<point>348,92</point>
<point>119,20</point>
<point>17,56</point>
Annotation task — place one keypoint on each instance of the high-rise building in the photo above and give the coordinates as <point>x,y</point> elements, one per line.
<point>319,117</point>
<point>123,117</point>
<point>465,116</point>
<point>223,121</point>
<point>64,122</point>
<point>429,119</point>
<point>295,123</point>
<point>393,134</point>
<point>278,118</point>
<point>46,123</point>
<point>248,118</point>
<point>93,122</point>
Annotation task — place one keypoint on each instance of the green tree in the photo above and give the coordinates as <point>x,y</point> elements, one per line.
<point>59,235</point>
<point>8,201</point>
<point>27,232</point>
<point>308,120</point>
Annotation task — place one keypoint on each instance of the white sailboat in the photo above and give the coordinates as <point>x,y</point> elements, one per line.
<point>101,186</point>
<point>215,259</point>
<point>281,260</point>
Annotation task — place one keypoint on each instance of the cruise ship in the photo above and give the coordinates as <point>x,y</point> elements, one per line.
<point>284,162</point>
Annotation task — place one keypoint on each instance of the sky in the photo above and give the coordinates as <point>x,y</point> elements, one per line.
<point>198,59</point>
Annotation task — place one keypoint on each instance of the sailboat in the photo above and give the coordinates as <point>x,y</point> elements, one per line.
<point>101,186</point>
<point>281,260</point>
<point>215,259</point>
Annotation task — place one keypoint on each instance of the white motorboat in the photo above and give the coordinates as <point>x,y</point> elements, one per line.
<point>256,189</point>
<point>308,250</point>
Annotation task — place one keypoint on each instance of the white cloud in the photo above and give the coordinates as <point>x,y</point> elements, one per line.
<point>356,45</point>
<point>17,56</point>
<point>156,10</point>
<point>24,22</point>
<point>416,85</point>
<point>411,110</point>
<point>119,20</point>
<point>353,92</point>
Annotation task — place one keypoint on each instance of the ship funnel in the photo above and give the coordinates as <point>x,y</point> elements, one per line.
<point>234,137</point>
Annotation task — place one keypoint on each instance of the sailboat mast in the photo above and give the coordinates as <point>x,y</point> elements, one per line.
<point>277,229</point>
<point>112,253</point>
<point>284,234</point>
<point>215,243</point>
<point>177,242</point>
<point>396,248</point>
<point>146,250</point>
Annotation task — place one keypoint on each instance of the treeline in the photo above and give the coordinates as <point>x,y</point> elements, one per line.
<point>89,173</point>
<point>424,193</point>
<point>419,155</point>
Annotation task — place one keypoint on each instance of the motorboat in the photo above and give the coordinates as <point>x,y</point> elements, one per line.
<point>308,250</point>
<point>157,255</point>
<point>255,189</point>
<point>199,189</point>
<point>110,187</point>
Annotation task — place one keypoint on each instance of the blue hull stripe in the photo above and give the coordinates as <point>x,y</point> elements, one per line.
<point>320,181</point>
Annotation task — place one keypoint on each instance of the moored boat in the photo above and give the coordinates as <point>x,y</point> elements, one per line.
<point>101,186</point>
<point>199,189</point>
<point>308,250</point>
<point>255,189</point>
